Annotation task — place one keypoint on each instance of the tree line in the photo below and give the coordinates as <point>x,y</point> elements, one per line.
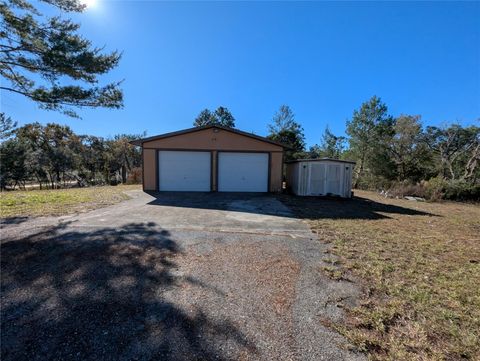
<point>395,154</point>
<point>46,60</point>
<point>53,156</point>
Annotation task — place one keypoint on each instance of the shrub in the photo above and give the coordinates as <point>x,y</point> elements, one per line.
<point>407,189</point>
<point>458,190</point>
<point>370,181</point>
<point>435,188</point>
<point>461,190</point>
<point>135,176</point>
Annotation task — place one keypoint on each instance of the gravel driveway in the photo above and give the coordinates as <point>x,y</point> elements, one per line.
<point>171,277</point>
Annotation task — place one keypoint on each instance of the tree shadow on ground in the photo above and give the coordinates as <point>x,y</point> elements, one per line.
<point>267,204</point>
<point>345,208</point>
<point>13,220</point>
<point>101,294</point>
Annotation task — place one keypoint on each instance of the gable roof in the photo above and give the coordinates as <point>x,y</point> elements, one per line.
<point>140,142</point>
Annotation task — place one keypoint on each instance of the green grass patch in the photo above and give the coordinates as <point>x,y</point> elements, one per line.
<point>419,265</point>
<point>60,201</point>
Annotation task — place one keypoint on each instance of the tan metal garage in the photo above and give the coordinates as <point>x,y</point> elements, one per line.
<point>211,158</point>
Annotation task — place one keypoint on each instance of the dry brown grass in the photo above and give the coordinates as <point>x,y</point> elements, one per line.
<point>419,264</point>
<point>60,201</point>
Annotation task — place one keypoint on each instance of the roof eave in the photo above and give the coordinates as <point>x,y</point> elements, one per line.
<point>321,159</point>
<point>139,142</point>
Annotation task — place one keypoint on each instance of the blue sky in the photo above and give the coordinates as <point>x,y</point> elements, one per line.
<point>323,59</point>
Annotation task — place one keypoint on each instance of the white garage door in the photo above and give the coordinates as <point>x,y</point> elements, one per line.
<point>242,172</point>
<point>184,171</point>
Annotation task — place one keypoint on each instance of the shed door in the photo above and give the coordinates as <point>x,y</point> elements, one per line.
<point>184,171</point>
<point>347,183</point>
<point>242,172</point>
<point>333,179</point>
<point>317,179</point>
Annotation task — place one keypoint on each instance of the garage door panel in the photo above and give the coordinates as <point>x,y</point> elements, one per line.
<point>243,172</point>
<point>184,171</point>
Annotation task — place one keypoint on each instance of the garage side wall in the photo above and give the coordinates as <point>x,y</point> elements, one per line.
<point>276,172</point>
<point>149,169</point>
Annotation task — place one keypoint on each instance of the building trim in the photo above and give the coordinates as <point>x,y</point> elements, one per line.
<point>321,160</point>
<point>139,142</point>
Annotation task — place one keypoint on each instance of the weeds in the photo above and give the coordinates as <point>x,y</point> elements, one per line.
<point>419,265</point>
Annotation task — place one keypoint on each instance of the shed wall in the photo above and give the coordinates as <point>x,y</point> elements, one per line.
<point>312,178</point>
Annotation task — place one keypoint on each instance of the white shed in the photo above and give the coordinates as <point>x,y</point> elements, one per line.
<point>320,177</point>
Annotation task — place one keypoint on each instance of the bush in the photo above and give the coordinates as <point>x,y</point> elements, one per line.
<point>135,176</point>
<point>460,190</point>
<point>457,190</point>
<point>372,182</point>
<point>403,189</point>
<point>437,189</point>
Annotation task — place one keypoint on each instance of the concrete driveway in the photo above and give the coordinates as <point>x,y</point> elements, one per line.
<point>170,277</point>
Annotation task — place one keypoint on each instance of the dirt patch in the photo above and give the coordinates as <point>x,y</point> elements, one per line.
<point>252,283</point>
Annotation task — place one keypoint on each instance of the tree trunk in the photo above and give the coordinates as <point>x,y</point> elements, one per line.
<point>52,183</point>
<point>450,168</point>
<point>360,170</point>
<point>124,174</point>
<point>472,163</point>
<point>38,180</point>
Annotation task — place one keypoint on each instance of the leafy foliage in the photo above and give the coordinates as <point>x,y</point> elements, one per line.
<point>37,55</point>
<point>408,152</point>
<point>457,148</point>
<point>397,153</point>
<point>331,146</point>
<point>370,129</point>
<point>7,126</point>
<point>221,116</point>
<point>286,130</point>
<point>53,155</point>
<point>13,167</point>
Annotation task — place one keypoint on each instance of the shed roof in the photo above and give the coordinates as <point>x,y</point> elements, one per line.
<point>140,142</point>
<point>321,160</point>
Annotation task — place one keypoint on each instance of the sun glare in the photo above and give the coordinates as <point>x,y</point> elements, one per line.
<point>90,3</point>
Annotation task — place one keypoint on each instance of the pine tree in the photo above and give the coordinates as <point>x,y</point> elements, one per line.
<point>38,54</point>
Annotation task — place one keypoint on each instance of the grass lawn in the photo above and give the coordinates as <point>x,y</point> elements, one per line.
<point>419,265</point>
<point>60,201</point>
